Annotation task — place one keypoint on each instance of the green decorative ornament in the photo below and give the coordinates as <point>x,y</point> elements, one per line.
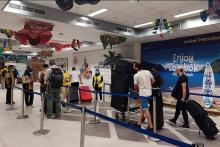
<point>111,40</point>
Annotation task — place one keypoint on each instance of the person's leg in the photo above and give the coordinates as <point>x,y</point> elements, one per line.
<point>49,103</point>
<point>56,95</point>
<point>67,93</point>
<point>184,113</point>
<point>63,89</point>
<point>31,95</point>
<point>100,94</point>
<point>141,117</point>
<point>26,98</point>
<point>148,117</point>
<point>178,109</point>
<point>8,96</point>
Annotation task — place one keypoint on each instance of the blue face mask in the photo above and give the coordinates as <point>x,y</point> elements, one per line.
<point>64,69</point>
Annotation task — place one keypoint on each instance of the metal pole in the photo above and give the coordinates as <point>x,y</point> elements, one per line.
<point>198,144</point>
<point>83,126</point>
<point>128,108</point>
<point>103,95</point>
<point>154,120</point>
<point>22,116</point>
<point>95,121</point>
<point>42,131</point>
<point>67,99</point>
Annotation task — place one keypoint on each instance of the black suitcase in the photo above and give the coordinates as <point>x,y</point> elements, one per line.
<point>159,109</point>
<point>73,96</point>
<point>121,84</point>
<point>204,122</point>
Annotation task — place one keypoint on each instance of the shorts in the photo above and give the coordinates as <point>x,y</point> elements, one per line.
<point>144,104</point>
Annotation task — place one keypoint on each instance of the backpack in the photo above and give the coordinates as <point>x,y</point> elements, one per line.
<point>56,78</point>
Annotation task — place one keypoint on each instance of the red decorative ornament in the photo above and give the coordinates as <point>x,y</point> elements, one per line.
<point>35,33</point>
<point>58,46</point>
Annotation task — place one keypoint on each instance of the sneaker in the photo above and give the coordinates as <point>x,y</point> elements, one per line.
<point>172,121</point>
<point>185,126</point>
<point>150,129</point>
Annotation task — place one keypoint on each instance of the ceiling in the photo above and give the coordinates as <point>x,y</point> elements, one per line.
<point>128,13</point>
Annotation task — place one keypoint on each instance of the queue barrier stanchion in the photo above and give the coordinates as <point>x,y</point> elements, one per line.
<point>22,115</point>
<point>95,120</point>
<point>42,131</point>
<point>83,127</point>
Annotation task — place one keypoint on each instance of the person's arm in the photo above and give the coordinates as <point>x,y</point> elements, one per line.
<point>152,79</point>
<point>184,91</point>
<point>80,78</point>
<point>47,75</point>
<point>24,80</point>
<point>136,89</point>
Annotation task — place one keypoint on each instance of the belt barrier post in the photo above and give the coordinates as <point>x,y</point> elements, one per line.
<point>83,126</point>
<point>67,99</point>
<point>22,116</point>
<point>128,108</point>
<point>154,119</point>
<point>95,120</point>
<point>42,131</point>
<point>198,144</point>
<point>103,95</point>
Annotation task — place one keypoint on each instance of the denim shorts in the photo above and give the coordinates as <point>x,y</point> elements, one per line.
<point>144,104</point>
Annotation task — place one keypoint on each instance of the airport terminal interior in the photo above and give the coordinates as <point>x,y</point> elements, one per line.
<point>94,73</point>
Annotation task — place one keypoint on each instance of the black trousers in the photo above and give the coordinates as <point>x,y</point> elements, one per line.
<point>181,106</point>
<point>100,94</point>
<point>29,97</point>
<point>8,96</point>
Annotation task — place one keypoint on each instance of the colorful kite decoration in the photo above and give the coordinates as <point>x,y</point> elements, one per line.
<point>75,44</point>
<point>34,33</point>
<point>162,25</point>
<point>6,43</point>
<point>213,9</point>
<point>111,40</point>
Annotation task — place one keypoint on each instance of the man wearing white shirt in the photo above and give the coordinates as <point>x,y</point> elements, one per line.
<point>143,81</point>
<point>75,78</point>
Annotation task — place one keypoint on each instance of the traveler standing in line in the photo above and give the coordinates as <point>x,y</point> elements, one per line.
<point>181,93</point>
<point>98,83</point>
<point>9,85</point>
<point>4,71</point>
<point>28,86</point>
<point>54,80</point>
<point>66,85</point>
<point>16,74</point>
<point>143,81</point>
<point>75,80</point>
<point>43,85</point>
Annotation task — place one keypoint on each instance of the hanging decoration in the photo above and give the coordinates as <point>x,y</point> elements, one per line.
<point>35,33</point>
<point>162,25</point>
<point>45,55</point>
<point>68,4</point>
<point>111,40</point>
<point>75,44</point>
<point>213,9</point>
<point>6,44</point>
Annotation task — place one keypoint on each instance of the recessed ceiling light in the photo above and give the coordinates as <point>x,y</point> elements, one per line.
<point>187,13</point>
<point>144,24</point>
<point>97,12</point>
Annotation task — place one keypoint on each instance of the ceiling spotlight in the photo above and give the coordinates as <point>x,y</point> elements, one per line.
<point>65,4</point>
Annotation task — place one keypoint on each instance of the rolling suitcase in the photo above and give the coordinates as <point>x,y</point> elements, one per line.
<point>84,95</point>
<point>159,109</point>
<point>73,96</point>
<point>204,122</point>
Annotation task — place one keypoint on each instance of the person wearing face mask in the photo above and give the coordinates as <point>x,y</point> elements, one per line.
<point>98,83</point>
<point>8,85</point>
<point>181,93</point>
<point>66,84</point>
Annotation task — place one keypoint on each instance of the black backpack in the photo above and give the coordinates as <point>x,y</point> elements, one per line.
<point>56,78</point>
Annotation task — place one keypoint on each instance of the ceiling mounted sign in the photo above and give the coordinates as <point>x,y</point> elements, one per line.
<point>35,33</point>
<point>111,40</point>
<point>213,9</point>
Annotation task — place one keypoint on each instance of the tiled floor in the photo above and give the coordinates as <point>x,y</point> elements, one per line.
<point>66,130</point>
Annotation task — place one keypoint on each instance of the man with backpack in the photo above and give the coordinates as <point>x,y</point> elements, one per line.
<point>54,80</point>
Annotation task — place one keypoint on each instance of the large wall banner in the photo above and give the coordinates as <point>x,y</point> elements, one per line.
<point>198,55</point>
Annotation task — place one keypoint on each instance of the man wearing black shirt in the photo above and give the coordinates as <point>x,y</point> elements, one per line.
<point>182,95</point>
